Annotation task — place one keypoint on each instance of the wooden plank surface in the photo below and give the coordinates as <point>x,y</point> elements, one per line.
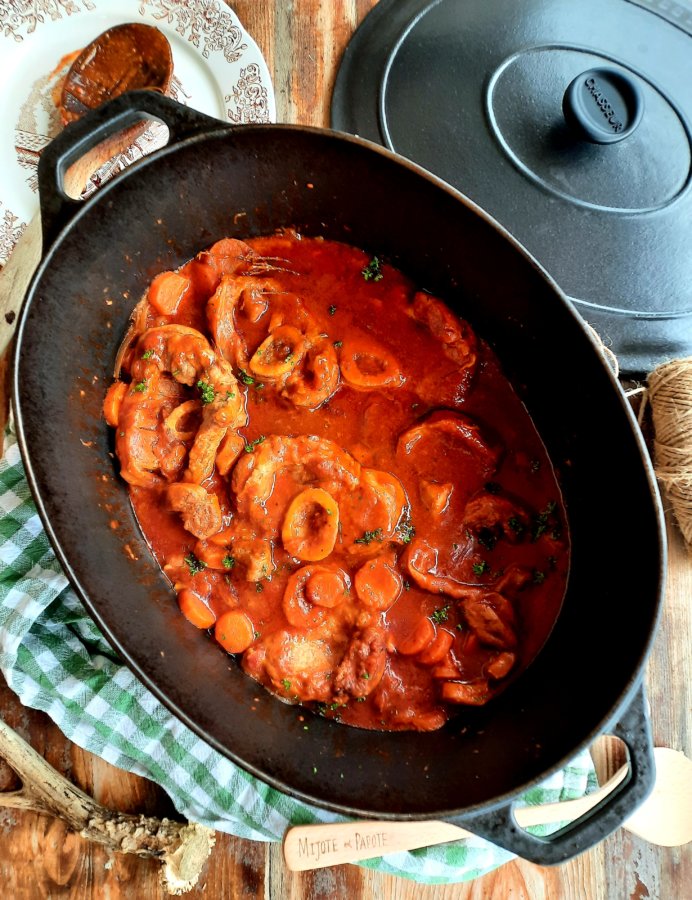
<point>302,41</point>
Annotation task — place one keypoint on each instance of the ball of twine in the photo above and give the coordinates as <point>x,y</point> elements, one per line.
<point>670,401</point>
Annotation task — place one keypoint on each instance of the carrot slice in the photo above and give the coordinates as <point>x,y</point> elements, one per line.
<point>377,584</point>
<point>166,291</point>
<point>195,609</point>
<point>113,402</point>
<point>234,631</point>
<point>229,450</point>
<point>298,602</point>
<point>326,588</point>
<point>214,555</point>
<point>438,648</point>
<point>311,525</point>
<point>471,693</point>
<point>418,639</point>
<point>502,665</point>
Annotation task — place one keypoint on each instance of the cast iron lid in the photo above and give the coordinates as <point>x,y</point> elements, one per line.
<point>569,122</point>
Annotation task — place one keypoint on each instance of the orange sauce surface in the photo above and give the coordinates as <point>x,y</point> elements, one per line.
<point>353,499</point>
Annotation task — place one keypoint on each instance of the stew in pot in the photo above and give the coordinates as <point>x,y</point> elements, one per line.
<point>338,480</point>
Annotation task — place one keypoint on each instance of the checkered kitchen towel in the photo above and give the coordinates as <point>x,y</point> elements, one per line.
<point>55,659</point>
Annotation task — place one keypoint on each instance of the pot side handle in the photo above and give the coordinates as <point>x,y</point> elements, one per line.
<point>82,136</point>
<point>500,827</point>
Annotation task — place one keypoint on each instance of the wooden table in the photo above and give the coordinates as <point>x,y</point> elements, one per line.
<point>302,41</point>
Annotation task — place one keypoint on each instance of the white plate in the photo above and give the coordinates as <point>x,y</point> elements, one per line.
<point>217,68</point>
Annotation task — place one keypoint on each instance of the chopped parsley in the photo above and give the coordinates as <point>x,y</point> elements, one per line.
<point>259,587</point>
<point>440,615</point>
<point>406,531</point>
<point>147,354</point>
<point>245,378</point>
<point>331,310</point>
<point>286,683</point>
<point>516,525</point>
<point>324,708</point>
<point>407,585</point>
<point>480,568</point>
<point>140,387</point>
<point>486,538</point>
<point>365,675</point>
<point>206,391</point>
<point>369,536</point>
<point>373,270</point>
<point>543,520</point>
<point>228,561</point>
<point>250,447</point>
<point>338,344</point>
<point>535,465</point>
<point>194,565</point>
<point>538,576</point>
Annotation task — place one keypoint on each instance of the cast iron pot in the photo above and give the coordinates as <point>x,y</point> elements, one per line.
<point>213,181</point>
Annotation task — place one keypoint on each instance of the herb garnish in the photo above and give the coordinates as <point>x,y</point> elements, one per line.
<point>140,387</point>
<point>538,576</point>
<point>486,538</point>
<point>331,310</point>
<point>228,561</point>
<point>245,378</point>
<point>286,683</point>
<point>250,447</point>
<point>370,536</point>
<point>206,391</point>
<point>440,615</point>
<point>516,525</point>
<point>259,587</point>
<point>406,531</point>
<point>194,565</point>
<point>373,270</point>
<point>480,568</point>
<point>147,354</point>
<point>542,521</point>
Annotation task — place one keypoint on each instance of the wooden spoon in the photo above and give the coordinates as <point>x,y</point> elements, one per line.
<point>665,818</point>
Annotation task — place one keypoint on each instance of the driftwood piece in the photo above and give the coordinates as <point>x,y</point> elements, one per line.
<point>181,848</point>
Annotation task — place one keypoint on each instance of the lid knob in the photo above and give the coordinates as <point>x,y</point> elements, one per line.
<point>603,105</point>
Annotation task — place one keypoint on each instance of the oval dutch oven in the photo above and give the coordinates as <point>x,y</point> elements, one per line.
<point>213,181</point>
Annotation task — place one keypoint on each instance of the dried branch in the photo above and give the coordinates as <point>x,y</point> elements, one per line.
<point>182,849</point>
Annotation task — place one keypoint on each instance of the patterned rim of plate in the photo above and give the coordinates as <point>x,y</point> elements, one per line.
<point>218,69</point>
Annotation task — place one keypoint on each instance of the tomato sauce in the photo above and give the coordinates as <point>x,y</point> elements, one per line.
<point>339,481</point>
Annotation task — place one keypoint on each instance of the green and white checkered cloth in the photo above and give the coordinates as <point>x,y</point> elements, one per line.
<point>56,660</point>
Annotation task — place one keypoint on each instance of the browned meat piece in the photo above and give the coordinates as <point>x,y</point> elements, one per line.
<point>514,580</point>
<point>493,516</point>
<point>492,618</point>
<point>362,667</point>
<point>200,511</point>
<point>295,665</point>
<point>422,564</point>
<point>448,429</point>
<point>459,346</point>
<point>470,693</point>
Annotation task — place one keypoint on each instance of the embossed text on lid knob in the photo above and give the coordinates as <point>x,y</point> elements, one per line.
<point>603,105</point>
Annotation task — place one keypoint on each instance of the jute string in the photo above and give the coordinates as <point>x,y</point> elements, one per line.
<point>669,396</point>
